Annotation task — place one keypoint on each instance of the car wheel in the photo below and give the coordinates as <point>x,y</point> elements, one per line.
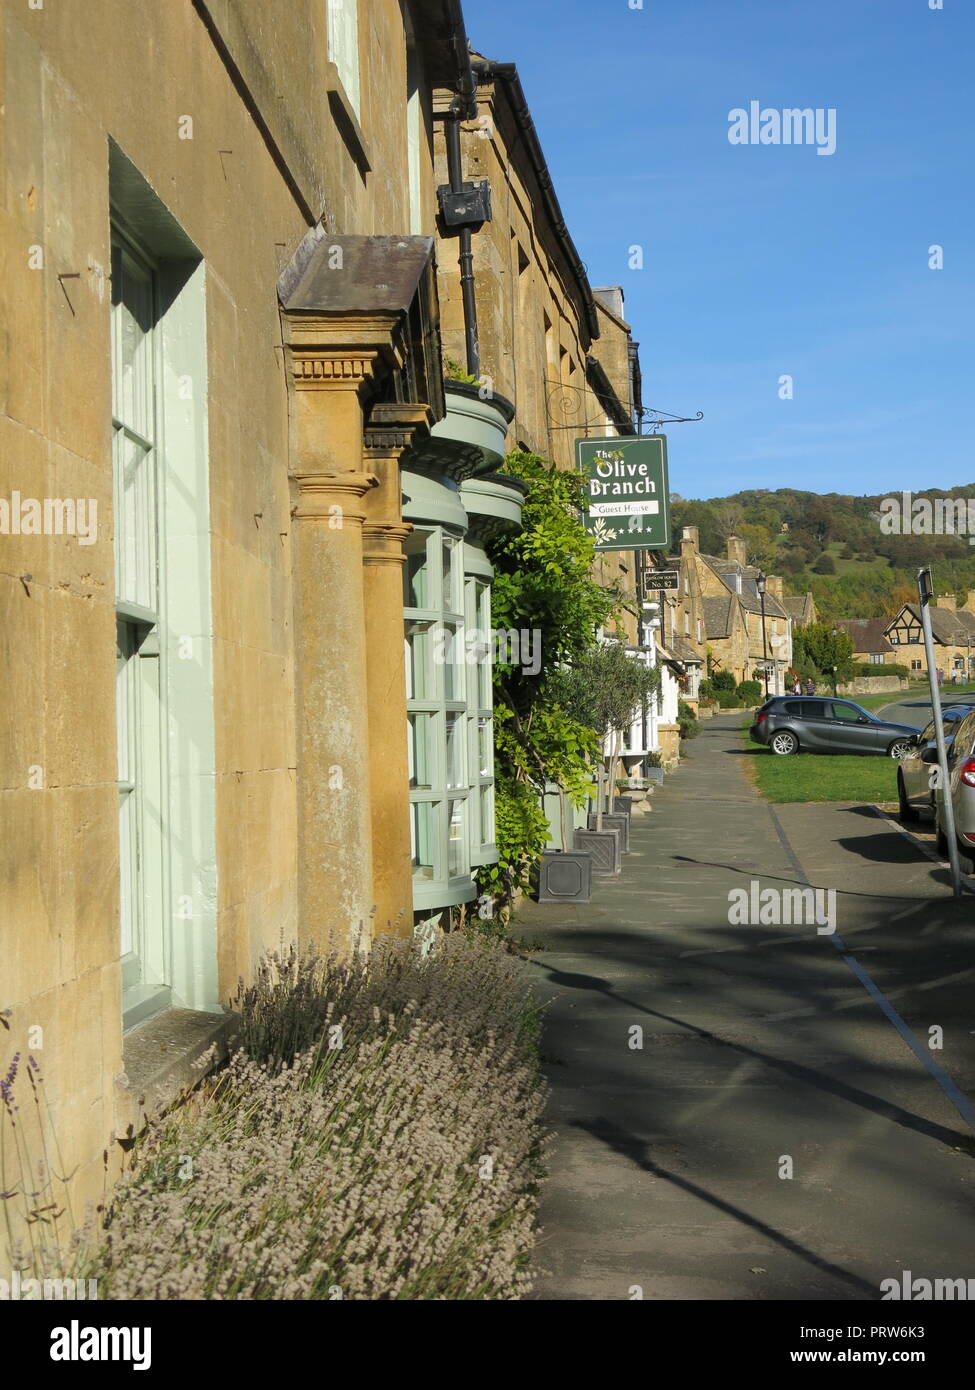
<point>899,748</point>
<point>904,810</point>
<point>784,743</point>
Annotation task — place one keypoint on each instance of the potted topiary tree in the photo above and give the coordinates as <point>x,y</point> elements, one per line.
<point>602,689</point>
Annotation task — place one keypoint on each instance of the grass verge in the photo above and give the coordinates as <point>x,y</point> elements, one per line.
<point>820,776</point>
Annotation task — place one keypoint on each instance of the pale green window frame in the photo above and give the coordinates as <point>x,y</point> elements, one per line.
<point>480,701</point>
<point>437,717</point>
<point>140,598</point>
<point>343,46</point>
<point>167,639</point>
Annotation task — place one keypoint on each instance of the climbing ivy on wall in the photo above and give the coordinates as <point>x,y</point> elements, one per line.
<point>543,586</point>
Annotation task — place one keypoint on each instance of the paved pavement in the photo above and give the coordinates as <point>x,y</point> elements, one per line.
<point>761,1045</point>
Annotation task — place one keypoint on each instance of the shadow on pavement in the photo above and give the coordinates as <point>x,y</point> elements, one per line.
<point>635,1150</point>
<point>889,1110</point>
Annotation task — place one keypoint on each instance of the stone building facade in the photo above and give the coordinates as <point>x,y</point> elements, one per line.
<point>248,518</point>
<point>232,478</point>
<point>715,614</point>
<point>953,631</point>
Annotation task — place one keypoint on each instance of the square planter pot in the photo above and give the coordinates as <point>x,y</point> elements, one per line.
<point>614,821</point>
<point>565,876</point>
<point>655,775</point>
<point>603,846</point>
<point>622,805</point>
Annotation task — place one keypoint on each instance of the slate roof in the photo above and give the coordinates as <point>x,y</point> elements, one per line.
<point>948,628</point>
<point>726,570</point>
<point>800,609</point>
<point>867,634</point>
<point>717,616</point>
<point>668,654</point>
<point>685,652</point>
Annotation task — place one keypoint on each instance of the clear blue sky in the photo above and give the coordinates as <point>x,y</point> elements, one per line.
<point>769,260</point>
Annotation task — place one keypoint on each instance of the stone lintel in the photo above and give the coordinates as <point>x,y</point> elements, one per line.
<point>339,351</point>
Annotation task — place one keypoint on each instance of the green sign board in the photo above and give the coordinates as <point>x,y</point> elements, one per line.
<point>627,505</point>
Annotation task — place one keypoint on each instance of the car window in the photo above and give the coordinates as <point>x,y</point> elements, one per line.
<point>926,734</point>
<point>965,734</point>
<point>850,714</point>
<point>795,708</point>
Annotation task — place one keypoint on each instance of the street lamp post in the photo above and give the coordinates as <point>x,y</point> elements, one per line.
<point>760,586</point>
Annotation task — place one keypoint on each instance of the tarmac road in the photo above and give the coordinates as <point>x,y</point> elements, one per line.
<point>916,709</point>
<point>766,1050</point>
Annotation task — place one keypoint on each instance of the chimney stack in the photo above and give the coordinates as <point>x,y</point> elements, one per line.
<point>773,584</point>
<point>947,601</point>
<point>737,551</point>
<point>690,540</point>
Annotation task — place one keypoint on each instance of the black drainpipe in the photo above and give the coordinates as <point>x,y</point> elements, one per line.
<point>466,257</point>
<point>488,71</point>
<point>463,107</point>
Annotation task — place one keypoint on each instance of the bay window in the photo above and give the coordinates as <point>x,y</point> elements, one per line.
<point>480,700</point>
<point>437,717</point>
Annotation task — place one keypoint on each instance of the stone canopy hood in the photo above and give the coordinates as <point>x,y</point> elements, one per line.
<point>379,293</point>
<point>373,290</point>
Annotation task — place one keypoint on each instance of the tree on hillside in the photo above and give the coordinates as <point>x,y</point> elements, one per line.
<point>793,559</point>
<point>701,515</point>
<point>816,521</point>
<point>760,547</point>
<point>898,596</point>
<point>728,517</point>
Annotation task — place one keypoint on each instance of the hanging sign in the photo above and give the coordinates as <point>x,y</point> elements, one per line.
<point>650,581</point>
<point>627,497</point>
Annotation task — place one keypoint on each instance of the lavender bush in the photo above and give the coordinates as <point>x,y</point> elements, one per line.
<point>38,1223</point>
<point>377,1136</point>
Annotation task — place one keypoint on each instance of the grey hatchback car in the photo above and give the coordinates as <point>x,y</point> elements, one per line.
<point>820,724</point>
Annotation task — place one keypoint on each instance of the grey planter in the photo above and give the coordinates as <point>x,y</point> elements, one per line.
<point>565,876</point>
<point>615,820</point>
<point>479,422</point>
<point>603,846</point>
<point>622,805</point>
<point>656,775</point>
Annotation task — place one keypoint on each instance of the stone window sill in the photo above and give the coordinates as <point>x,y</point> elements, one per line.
<point>162,1056</point>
